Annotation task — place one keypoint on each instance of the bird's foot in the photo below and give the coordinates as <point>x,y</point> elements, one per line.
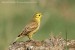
<point>30,40</point>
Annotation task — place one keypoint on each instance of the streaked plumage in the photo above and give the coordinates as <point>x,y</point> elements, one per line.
<point>31,27</point>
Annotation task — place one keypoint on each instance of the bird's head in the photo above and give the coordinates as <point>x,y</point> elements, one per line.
<point>38,16</point>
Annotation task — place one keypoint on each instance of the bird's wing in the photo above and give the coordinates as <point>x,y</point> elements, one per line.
<point>29,28</point>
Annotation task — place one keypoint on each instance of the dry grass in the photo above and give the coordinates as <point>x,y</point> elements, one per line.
<point>53,43</point>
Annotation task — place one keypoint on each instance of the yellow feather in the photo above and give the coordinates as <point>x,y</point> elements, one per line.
<point>36,18</point>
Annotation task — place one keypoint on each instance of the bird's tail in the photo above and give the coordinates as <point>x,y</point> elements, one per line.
<point>16,39</point>
<point>19,36</point>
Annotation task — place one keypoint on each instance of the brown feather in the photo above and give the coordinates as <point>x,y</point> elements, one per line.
<point>29,28</point>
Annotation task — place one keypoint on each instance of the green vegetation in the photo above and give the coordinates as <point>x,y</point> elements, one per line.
<point>58,16</point>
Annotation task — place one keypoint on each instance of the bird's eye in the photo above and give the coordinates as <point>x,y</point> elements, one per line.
<point>39,15</point>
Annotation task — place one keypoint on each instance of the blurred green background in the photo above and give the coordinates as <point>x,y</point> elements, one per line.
<point>58,16</point>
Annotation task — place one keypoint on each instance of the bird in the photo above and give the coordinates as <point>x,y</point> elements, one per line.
<point>31,28</point>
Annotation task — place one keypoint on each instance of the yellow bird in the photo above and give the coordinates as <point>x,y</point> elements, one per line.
<point>31,27</point>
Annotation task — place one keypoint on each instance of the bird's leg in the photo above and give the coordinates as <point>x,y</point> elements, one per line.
<point>30,37</point>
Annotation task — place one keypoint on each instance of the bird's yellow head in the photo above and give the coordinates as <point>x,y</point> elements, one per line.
<point>37,16</point>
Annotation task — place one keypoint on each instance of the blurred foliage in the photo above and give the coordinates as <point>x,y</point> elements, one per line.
<point>58,16</point>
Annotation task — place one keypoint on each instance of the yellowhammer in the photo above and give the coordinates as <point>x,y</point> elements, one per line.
<point>31,28</point>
